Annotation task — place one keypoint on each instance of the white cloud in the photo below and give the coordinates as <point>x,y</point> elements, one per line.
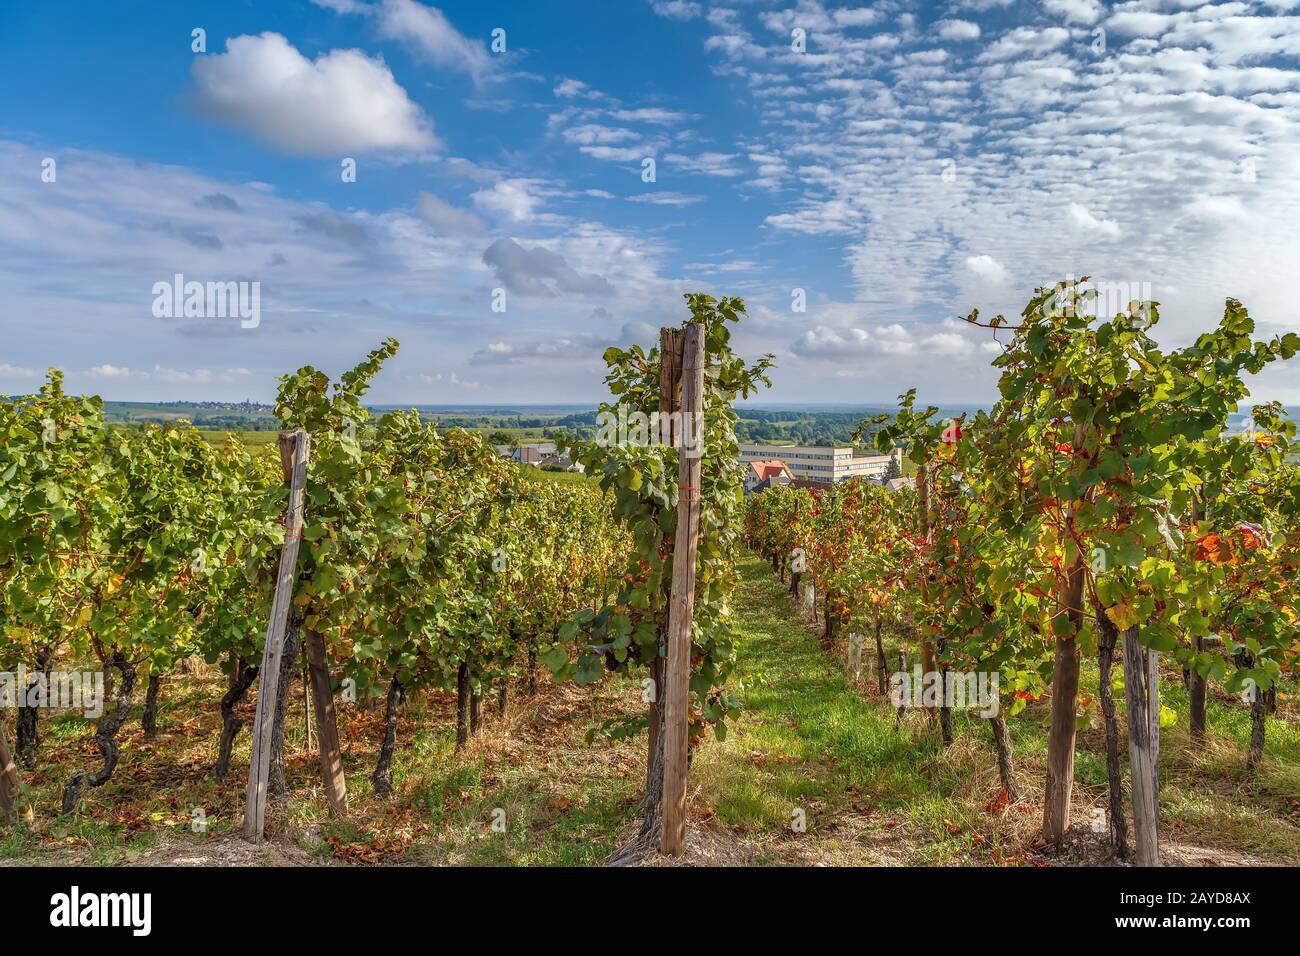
<point>708,164</point>
<point>429,31</point>
<point>1024,41</point>
<point>16,371</point>
<point>883,341</point>
<point>570,89</point>
<point>652,114</point>
<point>342,102</point>
<point>957,30</point>
<point>342,6</point>
<point>1075,11</point>
<point>1216,208</point>
<point>615,154</point>
<point>665,199</point>
<point>676,9</point>
<point>855,17</point>
<point>986,268</point>
<point>540,271</point>
<point>513,199</point>
<point>199,376</point>
<point>589,134</point>
<point>334,283</point>
<point>1088,221</point>
<point>448,219</point>
<point>109,371</point>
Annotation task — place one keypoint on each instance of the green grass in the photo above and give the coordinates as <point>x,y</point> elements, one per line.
<point>214,436</point>
<point>809,737</point>
<point>811,740</point>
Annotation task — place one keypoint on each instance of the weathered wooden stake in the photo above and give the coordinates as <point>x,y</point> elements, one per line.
<point>682,604</point>
<point>1142,698</point>
<point>295,447</point>
<point>670,383</point>
<point>8,778</point>
<point>327,728</point>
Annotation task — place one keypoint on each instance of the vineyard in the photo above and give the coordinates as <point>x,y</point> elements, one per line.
<point>1098,559</point>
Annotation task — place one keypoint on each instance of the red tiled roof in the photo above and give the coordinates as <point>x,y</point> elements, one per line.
<point>771,469</point>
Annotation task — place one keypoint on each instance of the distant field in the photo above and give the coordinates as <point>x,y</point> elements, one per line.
<point>217,437</point>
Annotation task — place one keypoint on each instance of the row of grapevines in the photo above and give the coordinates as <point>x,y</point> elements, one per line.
<point>427,560</point>
<point>1102,496</point>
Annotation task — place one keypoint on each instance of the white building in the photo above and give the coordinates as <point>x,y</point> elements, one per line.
<point>824,463</point>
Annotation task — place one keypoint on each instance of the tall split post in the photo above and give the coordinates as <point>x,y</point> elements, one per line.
<point>690,445</point>
<point>295,449</point>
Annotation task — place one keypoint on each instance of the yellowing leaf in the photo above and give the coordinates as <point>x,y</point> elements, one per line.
<point>1123,615</point>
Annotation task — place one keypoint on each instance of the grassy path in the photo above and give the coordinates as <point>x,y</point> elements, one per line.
<point>810,741</point>
<point>874,792</point>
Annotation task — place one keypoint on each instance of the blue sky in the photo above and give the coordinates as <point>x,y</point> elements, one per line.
<point>910,162</point>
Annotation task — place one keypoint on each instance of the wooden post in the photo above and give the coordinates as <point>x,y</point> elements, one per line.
<point>8,778</point>
<point>682,604</point>
<point>295,447</point>
<point>1142,699</point>
<point>927,647</point>
<point>670,383</point>
<point>898,711</point>
<point>855,656</point>
<point>327,729</point>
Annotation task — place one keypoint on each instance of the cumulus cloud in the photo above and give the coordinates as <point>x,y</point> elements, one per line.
<point>1075,11</point>
<point>708,164</point>
<point>342,102</point>
<point>8,371</point>
<point>1216,208</point>
<point>539,272</point>
<point>347,229</point>
<point>676,9</point>
<point>986,268</point>
<point>957,30</point>
<point>569,89</point>
<point>1024,41</point>
<point>512,199</point>
<point>430,33</point>
<point>109,371</point>
<point>1085,219</point>
<point>892,340</point>
<point>562,347</point>
<point>332,280</point>
<point>448,219</point>
<point>652,114</point>
<point>220,202</point>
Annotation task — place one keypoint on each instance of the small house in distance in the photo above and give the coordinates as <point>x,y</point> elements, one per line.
<point>765,474</point>
<point>534,453</point>
<point>561,461</point>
